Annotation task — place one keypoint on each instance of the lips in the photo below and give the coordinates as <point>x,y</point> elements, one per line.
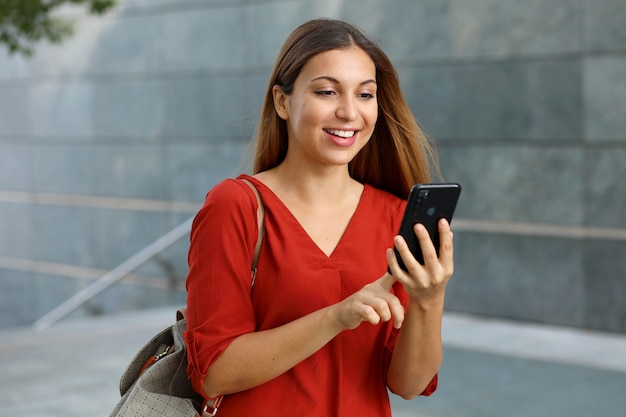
<point>342,137</point>
<point>341,133</point>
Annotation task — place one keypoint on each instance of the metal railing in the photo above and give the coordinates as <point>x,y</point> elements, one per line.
<point>114,275</point>
<point>493,227</point>
<point>462,225</point>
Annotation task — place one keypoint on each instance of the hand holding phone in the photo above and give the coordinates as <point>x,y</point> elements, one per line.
<point>427,204</point>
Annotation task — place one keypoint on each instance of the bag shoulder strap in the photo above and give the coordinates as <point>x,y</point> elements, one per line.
<point>260,214</point>
<point>212,404</point>
<point>181,313</point>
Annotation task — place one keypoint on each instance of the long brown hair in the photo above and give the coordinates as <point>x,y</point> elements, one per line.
<point>398,154</point>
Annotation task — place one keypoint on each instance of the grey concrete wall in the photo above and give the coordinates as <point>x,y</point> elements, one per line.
<point>113,138</point>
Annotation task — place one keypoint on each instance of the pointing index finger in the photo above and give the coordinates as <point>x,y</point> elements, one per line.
<point>386,281</point>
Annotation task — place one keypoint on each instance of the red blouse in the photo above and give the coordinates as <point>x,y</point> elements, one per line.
<point>347,376</point>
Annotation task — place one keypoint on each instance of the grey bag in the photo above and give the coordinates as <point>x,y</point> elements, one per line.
<point>155,382</point>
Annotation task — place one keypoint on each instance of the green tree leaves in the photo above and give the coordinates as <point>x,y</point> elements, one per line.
<point>23,23</point>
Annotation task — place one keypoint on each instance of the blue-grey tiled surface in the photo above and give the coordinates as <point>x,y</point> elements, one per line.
<point>524,184</point>
<point>131,108</point>
<point>128,296</point>
<point>208,39</point>
<point>61,108</point>
<point>128,170</point>
<point>17,170</point>
<point>130,46</point>
<point>26,296</point>
<point>63,168</point>
<point>504,101</point>
<point>520,278</point>
<point>190,170</point>
<point>261,45</point>
<point>605,285</point>
<point>605,91</point>
<point>419,30</point>
<point>157,100</point>
<point>431,91</point>
<point>605,193</point>
<point>62,234</point>
<point>529,100</point>
<point>14,109</point>
<point>496,28</point>
<point>16,230</point>
<point>121,233</point>
<point>210,106</point>
<point>604,25</point>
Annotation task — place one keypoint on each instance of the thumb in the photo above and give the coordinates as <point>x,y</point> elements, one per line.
<point>386,281</point>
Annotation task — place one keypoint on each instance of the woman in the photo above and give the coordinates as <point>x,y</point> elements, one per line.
<point>325,330</point>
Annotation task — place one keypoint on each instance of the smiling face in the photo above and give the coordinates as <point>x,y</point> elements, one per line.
<point>332,109</point>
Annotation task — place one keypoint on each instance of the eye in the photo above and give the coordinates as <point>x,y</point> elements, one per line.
<point>366,96</point>
<point>325,92</point>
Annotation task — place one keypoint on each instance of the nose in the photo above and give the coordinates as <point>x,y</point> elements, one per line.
<point>347,108</point>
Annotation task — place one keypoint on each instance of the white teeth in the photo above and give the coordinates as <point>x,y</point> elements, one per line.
<point>341,133</point>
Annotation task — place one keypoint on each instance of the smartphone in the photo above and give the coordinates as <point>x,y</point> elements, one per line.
<point>427,204</point>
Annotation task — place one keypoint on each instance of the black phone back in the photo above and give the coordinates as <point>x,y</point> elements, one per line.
<point>427,204</point>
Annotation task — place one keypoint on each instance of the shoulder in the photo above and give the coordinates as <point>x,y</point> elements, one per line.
<point>229,188</point>
<point>229,200</point>
<point>229,192</point>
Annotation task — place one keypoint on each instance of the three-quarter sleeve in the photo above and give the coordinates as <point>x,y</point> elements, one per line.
<point>222,241</point>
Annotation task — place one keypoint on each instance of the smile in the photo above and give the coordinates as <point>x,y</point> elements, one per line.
<point>340,133</point>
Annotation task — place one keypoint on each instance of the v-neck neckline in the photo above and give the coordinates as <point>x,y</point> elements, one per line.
<point>301,228</point>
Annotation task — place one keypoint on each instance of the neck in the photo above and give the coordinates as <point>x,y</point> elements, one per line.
<point>321,188</point>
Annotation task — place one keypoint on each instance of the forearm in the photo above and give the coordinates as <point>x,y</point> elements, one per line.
<point>418,352</point>
<point>255,358</point>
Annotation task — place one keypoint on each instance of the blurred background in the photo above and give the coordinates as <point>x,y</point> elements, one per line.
<point>110,139</point>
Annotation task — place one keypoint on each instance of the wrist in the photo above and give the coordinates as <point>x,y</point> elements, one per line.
<point>433,303</point>
<point>332,319</point>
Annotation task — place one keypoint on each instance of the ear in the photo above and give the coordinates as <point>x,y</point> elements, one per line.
<point>280,102</point>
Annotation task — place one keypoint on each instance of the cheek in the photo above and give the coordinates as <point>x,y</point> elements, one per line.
<point>303,114</point>
<point>375,114</point>
<point>372,117</point>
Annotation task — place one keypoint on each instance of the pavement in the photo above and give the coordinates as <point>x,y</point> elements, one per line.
<point>491,368</point>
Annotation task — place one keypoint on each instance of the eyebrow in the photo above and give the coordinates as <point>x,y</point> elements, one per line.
<point>336,81</point>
